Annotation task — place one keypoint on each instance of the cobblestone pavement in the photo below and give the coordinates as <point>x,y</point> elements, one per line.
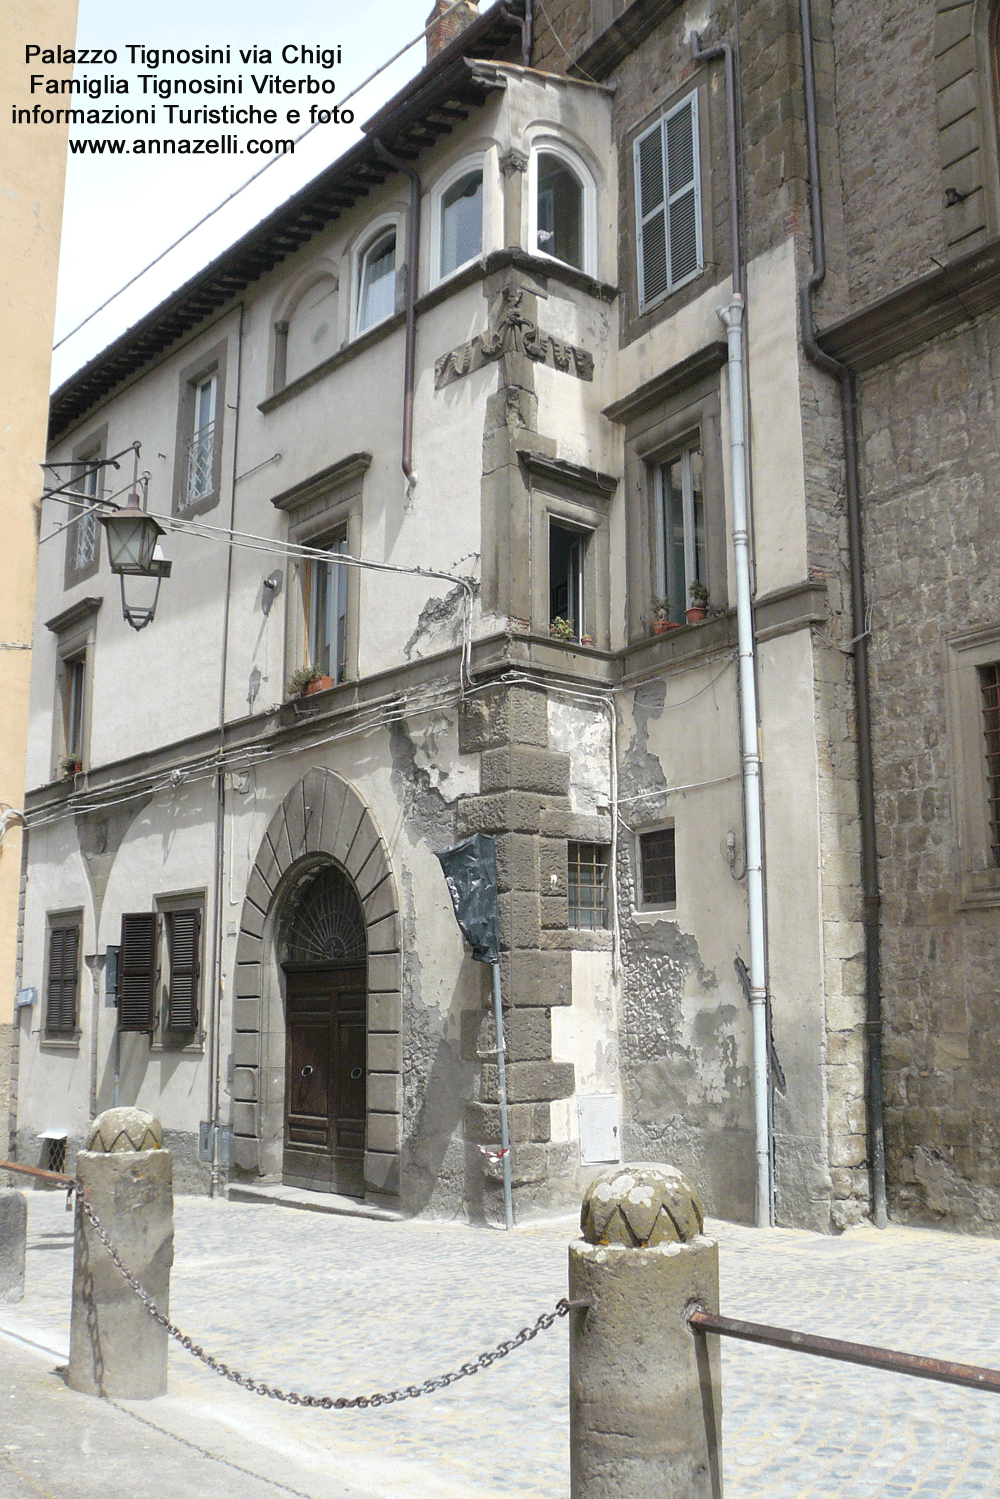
<point>345,1306</point>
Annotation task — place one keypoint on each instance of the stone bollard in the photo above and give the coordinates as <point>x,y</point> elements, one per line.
<point>645,1391</point>
<point>13,1240</point>
<point>116,1348</point>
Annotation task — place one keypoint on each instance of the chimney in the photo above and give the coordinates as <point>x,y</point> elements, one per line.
<point>443,31</point>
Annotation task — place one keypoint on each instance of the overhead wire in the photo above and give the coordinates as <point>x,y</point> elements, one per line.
<point>253,178</point>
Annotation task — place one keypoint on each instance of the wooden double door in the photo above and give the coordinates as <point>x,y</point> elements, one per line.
<point>325,1077</point>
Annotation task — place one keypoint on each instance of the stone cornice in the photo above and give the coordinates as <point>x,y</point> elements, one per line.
<point>957,293</point>
<point>668,383</point>
<point>74,615</point>
<point>328,479</point>
<point>571,474</point>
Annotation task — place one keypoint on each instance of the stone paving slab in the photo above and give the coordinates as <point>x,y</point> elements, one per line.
<point>345,1306</point>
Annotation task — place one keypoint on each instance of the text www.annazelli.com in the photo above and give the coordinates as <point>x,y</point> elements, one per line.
<point>216,145</point>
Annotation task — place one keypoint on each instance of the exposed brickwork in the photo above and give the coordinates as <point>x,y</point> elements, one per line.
<point>931,451</point>
<point>887,108</point>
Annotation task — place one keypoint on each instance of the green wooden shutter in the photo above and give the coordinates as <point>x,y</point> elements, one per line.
<point>137,973</point>
<point>184,937</point>
<point>64,955</point>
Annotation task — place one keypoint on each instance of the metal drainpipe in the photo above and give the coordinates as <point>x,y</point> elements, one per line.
<point>862,695</point>
<point>527,25</point>
<point>732,317</point>
<point>710,54</point>
<point>412,277</point>
<point>215,1013</point>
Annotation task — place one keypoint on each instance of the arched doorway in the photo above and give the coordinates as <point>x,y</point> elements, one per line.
<point>323,954</point>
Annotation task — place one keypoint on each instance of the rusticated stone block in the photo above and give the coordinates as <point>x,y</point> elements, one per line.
<point>13,1242</point>
<point>522,768</point>
<point>536,978</point>
<point>517,861</point>
<point>525,1121</point>
<point>501,716</point>
<point>520,922</point>
<point>532,1082</point>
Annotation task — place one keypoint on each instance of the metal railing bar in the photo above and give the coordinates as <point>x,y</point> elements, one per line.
<point>51,1176</point>
<point>943,1370</point>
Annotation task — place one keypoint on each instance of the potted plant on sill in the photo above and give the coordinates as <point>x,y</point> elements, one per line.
<point>661,615</point>
<point>561,629</point>
<point>698,594</point>
<point>308,679</point>
<point>70,766</point>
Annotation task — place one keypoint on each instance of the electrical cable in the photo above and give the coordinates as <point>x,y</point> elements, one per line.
<point>259,173</point>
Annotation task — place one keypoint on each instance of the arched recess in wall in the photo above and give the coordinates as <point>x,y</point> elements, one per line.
<point>967,81</point>
<point>322,820</point>
<point>306,326</point>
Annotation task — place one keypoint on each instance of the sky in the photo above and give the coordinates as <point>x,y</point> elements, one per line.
<point>121,212</point>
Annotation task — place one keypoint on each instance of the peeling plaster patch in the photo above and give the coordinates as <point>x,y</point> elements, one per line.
<point>584,735</point>
<point>439,617</point>
<point>435,753</point>
<point>641,771</point>
<point>436,1086</point>
<point>428,815</point>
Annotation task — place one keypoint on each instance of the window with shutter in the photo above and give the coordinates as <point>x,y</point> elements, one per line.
<point>184,951</point>
<point>668,203</point>
<point>64,957</point>
<point>137,973</point>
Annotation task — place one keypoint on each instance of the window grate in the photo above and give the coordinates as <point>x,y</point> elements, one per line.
<point>201,461</point>
<point>658,867</point>
<point>989,681</point>
<point>587,870</point>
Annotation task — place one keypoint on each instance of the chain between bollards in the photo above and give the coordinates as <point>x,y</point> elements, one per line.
<point>323,1402</point>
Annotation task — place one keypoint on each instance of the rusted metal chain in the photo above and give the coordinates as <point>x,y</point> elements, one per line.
<point>51,1176</point>
<point>323,1402</point>
<point>943,1370</point>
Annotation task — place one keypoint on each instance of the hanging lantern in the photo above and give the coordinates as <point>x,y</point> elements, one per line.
<point>132,536</point>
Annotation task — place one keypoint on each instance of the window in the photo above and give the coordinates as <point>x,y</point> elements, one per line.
<point>973,707</point>
<point>183,939</point>
<point>989,683</point>
<point>566,573</point>
<point>63,983</point>
<point>75,629</point>
<point>657,868</point>
<point>559,211</point>
<point>562,218</point>
<point>83,534</point>
<point>163,944</point>
<point>323,597</point>
<point>74,699</point>
<point>588,886</point>
<point>666,168</point>
<point>200,425</point>
<point>325,588</point>
<point>201,448</point>
<point>681,530</point>
<point>377,281</point>
<point>461,222</point>
<point>567,601</point>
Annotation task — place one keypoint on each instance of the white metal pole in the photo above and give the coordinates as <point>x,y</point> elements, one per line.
<point>508,1208</point>
<point>732,317</point>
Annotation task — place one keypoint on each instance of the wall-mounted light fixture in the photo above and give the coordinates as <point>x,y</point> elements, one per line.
<point>132,537</point>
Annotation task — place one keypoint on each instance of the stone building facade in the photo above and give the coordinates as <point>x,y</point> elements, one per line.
<point>572,403</point>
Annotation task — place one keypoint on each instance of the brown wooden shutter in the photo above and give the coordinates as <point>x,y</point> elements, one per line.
<point>64,955</point>
<point>184,937</point>
<point>137,973</point>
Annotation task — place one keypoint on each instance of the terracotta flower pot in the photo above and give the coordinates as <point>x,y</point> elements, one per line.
<point>696,614</point>
<point>661,626</point>
<point>319,685</point>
